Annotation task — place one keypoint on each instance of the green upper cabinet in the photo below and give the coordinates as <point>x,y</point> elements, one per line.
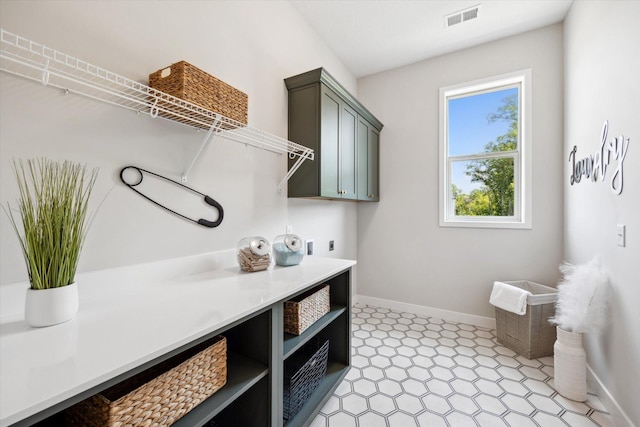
<point>367,151</point>
<point>343,134</point>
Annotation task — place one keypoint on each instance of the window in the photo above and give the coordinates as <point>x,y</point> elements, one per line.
<point>485,172</point>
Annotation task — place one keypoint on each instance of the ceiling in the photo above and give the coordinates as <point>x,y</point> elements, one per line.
<point>371,36</point>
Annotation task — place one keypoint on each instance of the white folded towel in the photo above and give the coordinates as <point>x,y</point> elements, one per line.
<point>509,297</point>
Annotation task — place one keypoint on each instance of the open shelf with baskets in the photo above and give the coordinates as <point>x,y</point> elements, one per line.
<point>334,327</point>
<point>243,375</point>
<point>25,58</point>
<point>249,355</point>
<point>249,347</point>
<point>257,353</point>
<point>244,411</point>
<point>294,342</point>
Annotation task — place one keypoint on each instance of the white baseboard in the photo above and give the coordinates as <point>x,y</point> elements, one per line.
<point>611,405</point>
<point>451,316</point>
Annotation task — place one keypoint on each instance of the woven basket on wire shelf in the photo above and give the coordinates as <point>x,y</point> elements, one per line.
<point>304,310</point>
<point>160,395</point>
<point>191,84</point>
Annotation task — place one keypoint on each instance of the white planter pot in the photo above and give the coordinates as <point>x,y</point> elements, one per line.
<point>570,365</point>
<point>46,307</point>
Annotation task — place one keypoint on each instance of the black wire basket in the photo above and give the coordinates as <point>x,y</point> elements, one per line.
<point>303,372</point>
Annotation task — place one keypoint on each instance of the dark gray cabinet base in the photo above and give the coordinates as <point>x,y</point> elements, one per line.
<point>257,350</point>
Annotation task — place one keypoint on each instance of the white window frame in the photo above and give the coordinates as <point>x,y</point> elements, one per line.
<point>522,156</point>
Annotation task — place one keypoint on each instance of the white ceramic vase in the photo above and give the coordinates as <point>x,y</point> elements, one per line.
<point>46,307</point>
<point>570,365</point>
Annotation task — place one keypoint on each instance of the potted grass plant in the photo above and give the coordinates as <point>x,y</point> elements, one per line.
<point>581,308</point>
<point>52,208</point>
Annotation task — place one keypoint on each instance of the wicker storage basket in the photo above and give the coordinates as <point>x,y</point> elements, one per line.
<point>306,309</point>
<point>530,335</point>
<point>190,83</point>
<point>160,395</point>
<point>303,372</point>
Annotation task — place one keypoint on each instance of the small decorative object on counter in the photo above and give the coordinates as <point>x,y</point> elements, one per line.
<point>52,215</point>
<point>254,253</point>
<point>288,249</point>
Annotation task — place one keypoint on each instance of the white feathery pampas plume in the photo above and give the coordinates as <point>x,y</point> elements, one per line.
<point>582,298</point>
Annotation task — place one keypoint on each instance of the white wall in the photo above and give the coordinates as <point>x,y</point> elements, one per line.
<point>601,75</point>
<point>403,254</point>
<point>250,45</point>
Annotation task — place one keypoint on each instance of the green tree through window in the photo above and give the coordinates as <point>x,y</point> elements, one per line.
<point>485,146</point>
<point>495,197</point>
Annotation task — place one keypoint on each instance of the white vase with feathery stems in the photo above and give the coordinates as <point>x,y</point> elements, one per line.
<point>570,365</point>
<point>581,307</point>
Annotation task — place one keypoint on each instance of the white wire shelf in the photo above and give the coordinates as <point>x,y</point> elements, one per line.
<point>25,58</point>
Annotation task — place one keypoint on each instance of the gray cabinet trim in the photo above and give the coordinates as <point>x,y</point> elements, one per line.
<point>321,75</point>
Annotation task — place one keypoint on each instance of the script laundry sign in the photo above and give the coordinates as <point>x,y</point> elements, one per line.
<point>595,166</point>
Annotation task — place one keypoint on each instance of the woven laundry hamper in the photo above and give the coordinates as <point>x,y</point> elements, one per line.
<point>530,335</point>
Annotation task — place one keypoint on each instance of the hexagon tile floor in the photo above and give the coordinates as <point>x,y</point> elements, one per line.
<point>410,370</point>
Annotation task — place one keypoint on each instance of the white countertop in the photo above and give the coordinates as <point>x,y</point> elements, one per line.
<point>129,316</point>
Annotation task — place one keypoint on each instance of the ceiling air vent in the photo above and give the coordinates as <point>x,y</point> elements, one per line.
<point>461,16</point>
<point>454,19</point>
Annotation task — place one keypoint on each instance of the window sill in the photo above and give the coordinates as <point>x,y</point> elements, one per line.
<point>517,225</point>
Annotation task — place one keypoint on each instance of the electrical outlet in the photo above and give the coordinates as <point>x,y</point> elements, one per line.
<point>310,247</point>
<point>331,245</point>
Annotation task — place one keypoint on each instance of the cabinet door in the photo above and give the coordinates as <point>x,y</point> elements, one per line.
<point>348,159</point>
<point>338,152</point>
<point>330,115</point>
<point>373,153</point>
<point>368,146</point>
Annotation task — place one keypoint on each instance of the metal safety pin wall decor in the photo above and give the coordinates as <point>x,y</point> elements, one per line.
<point>210,201</point>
